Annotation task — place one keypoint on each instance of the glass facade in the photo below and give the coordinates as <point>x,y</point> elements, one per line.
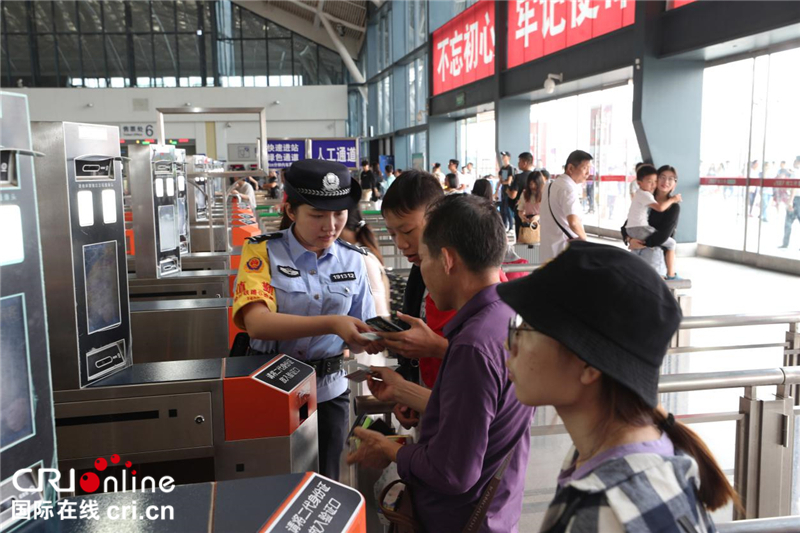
<point>475,140</point>
<point>416,75</point>
<point>750,160</point>
<point>601,122</point>
<point>395,58</point>
<point>182,43</point>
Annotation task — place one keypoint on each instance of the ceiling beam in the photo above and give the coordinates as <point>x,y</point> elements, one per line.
<point>335,20</point>
<point>320,9</point>
<point>299,25</point>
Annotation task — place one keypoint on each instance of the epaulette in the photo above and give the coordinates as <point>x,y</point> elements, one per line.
<point>265,237</point>
<point>352,246</point>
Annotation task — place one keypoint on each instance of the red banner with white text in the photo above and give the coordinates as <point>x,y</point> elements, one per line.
<point>463,49</point>
<point>537,28</point>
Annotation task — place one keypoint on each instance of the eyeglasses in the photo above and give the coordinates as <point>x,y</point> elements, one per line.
<point>670,180</point>
<point>516,324</point>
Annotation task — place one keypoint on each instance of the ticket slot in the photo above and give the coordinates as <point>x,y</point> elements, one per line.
<point>95,167</point>
<point>168,266</point>
<point>8,169</point>
<point>8,165</point>
<point>104,360</point>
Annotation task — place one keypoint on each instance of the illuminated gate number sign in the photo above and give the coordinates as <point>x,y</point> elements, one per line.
<point>540,27</point>
<point>463,49</point>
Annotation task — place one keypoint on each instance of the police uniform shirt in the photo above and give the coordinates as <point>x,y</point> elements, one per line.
<point>289,279</point>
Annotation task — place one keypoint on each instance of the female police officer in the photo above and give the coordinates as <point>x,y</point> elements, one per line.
<point>303,292</point>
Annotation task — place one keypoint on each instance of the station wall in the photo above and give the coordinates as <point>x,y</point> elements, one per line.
<point>312,111</point>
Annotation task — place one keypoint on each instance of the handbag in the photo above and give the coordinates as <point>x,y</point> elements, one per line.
<point>402,517</point>
<point>529,233</point>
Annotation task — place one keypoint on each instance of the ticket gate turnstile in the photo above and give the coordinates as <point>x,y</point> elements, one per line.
<point>27,434</point>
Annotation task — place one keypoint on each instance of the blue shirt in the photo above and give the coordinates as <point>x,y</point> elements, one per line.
<point>290,279</point>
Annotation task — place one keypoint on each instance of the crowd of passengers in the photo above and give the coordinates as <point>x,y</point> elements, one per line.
<point>478,353</point>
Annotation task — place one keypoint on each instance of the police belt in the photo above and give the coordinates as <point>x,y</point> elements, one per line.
<point>327,366</point>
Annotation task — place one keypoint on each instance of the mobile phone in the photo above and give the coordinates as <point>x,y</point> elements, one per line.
<point>358,423</point>
<point>386,325</point>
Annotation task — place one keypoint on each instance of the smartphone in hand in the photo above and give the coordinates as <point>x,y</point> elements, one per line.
<point>387,325</point>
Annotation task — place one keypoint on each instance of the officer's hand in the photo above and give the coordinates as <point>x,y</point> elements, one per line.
<point>419,341</point>
<point>383,384</point>
<point>372,450</point>
<point>350,329</point>
<point>407,417</point>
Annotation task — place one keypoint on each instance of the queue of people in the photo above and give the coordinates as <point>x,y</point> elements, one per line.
<point>480,353</point>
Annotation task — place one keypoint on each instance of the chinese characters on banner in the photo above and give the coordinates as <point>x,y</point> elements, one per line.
<point>343,151</point>
<point>281,154</point>
<point>537,28</point>
<point>463,49</point>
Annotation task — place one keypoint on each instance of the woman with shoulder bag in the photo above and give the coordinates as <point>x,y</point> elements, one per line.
<point>529,208</point>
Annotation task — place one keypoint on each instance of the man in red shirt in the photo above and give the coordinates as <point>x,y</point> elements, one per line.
<point>422,347</point>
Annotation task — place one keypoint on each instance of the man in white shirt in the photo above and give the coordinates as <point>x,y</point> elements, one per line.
<point>561,212</point>
<point>465,181</point>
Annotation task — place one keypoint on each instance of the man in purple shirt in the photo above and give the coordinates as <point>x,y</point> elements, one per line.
<point>471,420</point>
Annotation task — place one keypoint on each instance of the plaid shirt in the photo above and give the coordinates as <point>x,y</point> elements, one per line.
<point>641,492</point>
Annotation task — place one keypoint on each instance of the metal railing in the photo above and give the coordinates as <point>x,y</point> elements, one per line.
<point>781,524</point>
<point>764,444</point>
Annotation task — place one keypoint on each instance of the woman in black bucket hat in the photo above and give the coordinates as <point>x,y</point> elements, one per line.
<point>597,361</point>
<point>303,292</point>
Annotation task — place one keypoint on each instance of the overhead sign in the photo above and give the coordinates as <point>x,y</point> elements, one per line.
<point>463,49</point>
<point>343,151</point>
<point>136,131</point>
<point>537,28</point>
<point>242,152</point>
<point>282,153</point>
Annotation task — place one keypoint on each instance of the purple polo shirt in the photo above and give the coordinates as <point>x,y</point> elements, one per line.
<point>471,422</point>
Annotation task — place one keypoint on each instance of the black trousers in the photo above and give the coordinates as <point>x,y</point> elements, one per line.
<point>332,425</point>
<point>517,223</point>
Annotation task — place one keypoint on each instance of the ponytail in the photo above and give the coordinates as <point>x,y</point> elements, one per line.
<point>628,408</point>
<point>715,491</point>
<point>367,239</point>
<point>364,235</point>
